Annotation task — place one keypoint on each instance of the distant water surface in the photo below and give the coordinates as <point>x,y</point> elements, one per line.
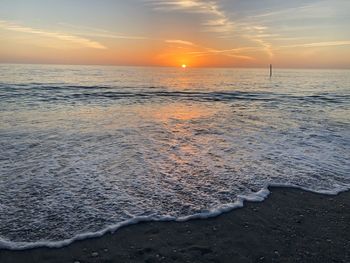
<point>84,148</point>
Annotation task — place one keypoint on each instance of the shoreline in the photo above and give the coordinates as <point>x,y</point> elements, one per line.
<point>290,225</point>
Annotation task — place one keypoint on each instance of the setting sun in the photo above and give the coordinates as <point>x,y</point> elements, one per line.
<point>184,66</point>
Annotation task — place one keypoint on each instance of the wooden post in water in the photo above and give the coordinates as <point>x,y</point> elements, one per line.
<point>270,70</point>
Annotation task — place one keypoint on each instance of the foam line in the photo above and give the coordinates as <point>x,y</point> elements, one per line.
<point>259,196</point>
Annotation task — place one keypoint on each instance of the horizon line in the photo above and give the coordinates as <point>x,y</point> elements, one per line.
<point>188,66</point>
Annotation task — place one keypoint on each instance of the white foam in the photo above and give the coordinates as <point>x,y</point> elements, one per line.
<point>195,148</point>
<point>253,197</point>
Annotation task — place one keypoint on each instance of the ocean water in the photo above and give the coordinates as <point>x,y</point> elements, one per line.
<point>86,149</point>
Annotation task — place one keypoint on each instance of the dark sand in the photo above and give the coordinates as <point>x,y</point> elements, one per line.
<point>289,226</point>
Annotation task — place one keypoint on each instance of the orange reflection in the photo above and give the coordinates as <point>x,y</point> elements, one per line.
<point>177,111</point>
<point>178,137</point>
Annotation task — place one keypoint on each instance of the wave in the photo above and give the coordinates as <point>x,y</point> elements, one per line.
<point>91,93</point>
<point>292,132</point>
<point>258,196</point>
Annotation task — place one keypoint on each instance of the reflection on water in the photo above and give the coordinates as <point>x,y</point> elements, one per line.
<point>176,111</point>
<point>85,148</point>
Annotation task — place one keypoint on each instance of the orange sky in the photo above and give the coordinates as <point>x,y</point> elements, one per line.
<point>310,33</point>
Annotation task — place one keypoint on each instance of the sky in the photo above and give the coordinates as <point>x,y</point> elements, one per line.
<point>207,33</point>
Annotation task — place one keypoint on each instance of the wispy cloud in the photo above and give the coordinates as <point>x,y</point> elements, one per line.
<point>98,32</point>
<point>322,44</point>
<point>267,47</point>
<point>208,7</point>
<point>207,51</point>
<point>111,35</point>
<point>217,20</point>
<point>178,41</point>
<point>234,52</point>
<point>266,26</point>
<point>286,11</point>
<point>216,52</point>
<point>258,34</point>
<point>56,35</point>
<point>201,51</point>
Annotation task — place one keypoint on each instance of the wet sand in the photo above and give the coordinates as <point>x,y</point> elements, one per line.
<point>291,225</point>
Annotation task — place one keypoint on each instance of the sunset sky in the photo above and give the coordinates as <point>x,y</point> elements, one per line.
<point>208,33</point>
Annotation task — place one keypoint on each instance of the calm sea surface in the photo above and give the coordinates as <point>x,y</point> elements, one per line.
<point>85,148</point>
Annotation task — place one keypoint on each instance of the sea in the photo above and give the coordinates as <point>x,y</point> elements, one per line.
<point>85,150</point>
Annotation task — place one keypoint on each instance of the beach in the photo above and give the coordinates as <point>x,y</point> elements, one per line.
<point>174,131</point>
<point>291,225</point>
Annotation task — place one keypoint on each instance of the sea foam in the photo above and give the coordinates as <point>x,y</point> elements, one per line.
<point>254,197</point>
<point>83,156</point>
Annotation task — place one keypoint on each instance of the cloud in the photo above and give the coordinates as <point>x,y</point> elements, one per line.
<point>286,11</point>
<point>208,7</point>
<point>181,42</point>
<point>61,36</point>
<point>267,47</point>
<point>217,21</point>
<point>322,44</point>
<point>227,55</point>
<point>234,52</point>
<point>201,51</point>
<point>111,35</point>
<point>259,34</point>
<point>97,32</point>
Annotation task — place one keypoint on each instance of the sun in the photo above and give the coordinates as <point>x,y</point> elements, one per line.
<point>184,66</point>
